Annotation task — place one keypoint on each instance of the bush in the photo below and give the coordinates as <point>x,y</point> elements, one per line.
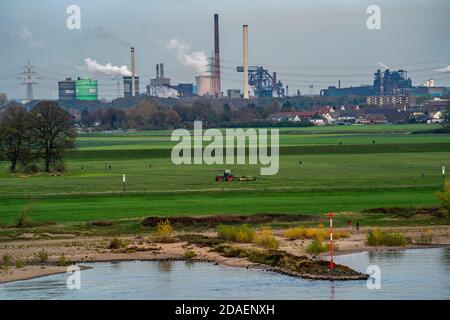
<point>5,261</point>
<point>164,231</point>
<point>20,264</point>
<point>378,237</point>
<point>60,167</point>
<point>312,233</point>
<point>63,261</point>
<point>190,254</point>
<point>42,256</point>
<point>426,237</point>
<point>242,233</point>
<point>317,246</point>
<point>115,243</point>
<point>24,220</point>
<point>265,238</point>
<point>444,199</point>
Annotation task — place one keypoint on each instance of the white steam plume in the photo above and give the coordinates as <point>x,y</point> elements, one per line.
<point>382,65</point>
<point>108,69</point>
<point>196,60</point>
<point>443,70</point>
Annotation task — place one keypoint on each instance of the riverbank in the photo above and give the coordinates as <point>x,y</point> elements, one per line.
<point>64,249</point>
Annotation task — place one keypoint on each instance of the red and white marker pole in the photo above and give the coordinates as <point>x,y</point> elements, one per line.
<point>331,240</point>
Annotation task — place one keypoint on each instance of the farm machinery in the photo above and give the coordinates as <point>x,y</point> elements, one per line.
<point>228,176</point>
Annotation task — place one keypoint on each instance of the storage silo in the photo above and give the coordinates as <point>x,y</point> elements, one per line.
<point>86,89</point>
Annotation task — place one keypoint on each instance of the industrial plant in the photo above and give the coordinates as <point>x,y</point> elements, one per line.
<point>388,86</point>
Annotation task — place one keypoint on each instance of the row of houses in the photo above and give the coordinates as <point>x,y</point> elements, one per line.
<point>328,115</point>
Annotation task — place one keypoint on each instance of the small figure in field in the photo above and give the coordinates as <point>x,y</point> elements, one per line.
<point>340,142</point>
<point>82,169</point>
<point>109,167</point>
<point>300,162</point>
<point>357,226</point>
<point>373,141</point>
<point>150,165</point>
<point>349,225</point>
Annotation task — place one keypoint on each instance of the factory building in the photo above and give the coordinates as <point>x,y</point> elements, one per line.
<point>234,94</point>
<point>186,88</point>
<point>159,86</point>
<point>66,89</point>
<point>386,83</point>
<point>332,91</point>
<point>127,86</point>
<point>86,89</point>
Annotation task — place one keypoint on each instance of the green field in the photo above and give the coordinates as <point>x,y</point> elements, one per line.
<point>350,176</point>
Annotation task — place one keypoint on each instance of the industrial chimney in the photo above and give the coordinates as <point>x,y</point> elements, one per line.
<point>161,70</point>
<point>157,71</point>
<point>245,39</point>
<point>216,80</point>
<point>133,72</point>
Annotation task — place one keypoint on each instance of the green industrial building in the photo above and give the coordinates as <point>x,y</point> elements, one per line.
<point>86,89</point>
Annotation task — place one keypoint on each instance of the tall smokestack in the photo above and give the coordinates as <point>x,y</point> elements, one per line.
<point>133,72</point>
<point>161,70</point>
<point>245,39</point>
<point>216,81</point>
<point>157,71</point>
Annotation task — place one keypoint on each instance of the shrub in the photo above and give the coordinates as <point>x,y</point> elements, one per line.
<point>5,261</point>
<point>63,261</point>
<point>115,243</point>
<point>444,199</point>
<point>24,220</point>
<point>317,246</point>
<point>20,264</point>
<point>242,233</point>
<point>426,237</point>
<point>60,167</point>
<point>164,231</point>
<point>378,237</point>
<point>42,256</point>
<point>265,238</point>
<point>312,233</point>
<point>190,254</point>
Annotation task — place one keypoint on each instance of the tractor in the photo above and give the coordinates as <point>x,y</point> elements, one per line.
<point>226,176</point>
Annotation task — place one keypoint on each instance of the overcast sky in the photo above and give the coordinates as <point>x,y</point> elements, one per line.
<point>307,42</point>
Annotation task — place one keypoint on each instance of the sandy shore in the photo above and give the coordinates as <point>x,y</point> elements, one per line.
<point>95,249</point>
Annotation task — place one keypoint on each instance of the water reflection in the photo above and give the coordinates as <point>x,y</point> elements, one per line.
<point>165,266</point>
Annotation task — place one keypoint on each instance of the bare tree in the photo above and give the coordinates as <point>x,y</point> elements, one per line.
<point>14,135</point>
<point>52,132</point>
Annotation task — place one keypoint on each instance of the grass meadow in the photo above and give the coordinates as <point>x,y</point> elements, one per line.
<point>341,170</point>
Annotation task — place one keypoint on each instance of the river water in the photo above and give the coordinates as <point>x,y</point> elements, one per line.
<point>407,274</point>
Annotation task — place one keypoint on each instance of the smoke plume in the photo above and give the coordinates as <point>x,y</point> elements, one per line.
<point>108,69</point>
<point>196,60</point>
<point>381,65</point>
<point>443,70</point>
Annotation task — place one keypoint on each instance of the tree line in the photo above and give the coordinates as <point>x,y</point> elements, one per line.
<point>36,140</point>
<point>146,115</point>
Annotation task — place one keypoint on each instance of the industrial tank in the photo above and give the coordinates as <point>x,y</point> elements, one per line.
<point>86,89</point>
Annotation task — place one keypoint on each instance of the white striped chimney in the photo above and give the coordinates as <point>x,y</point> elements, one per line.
<point>133,73</point>
<point>245,39</point>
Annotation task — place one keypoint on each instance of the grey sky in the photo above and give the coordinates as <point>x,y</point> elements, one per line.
<point>307,41</point>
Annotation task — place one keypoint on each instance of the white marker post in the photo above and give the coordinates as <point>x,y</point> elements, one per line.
<point>331,240</point>
<point>124,180</point>
<point>443,175</point>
